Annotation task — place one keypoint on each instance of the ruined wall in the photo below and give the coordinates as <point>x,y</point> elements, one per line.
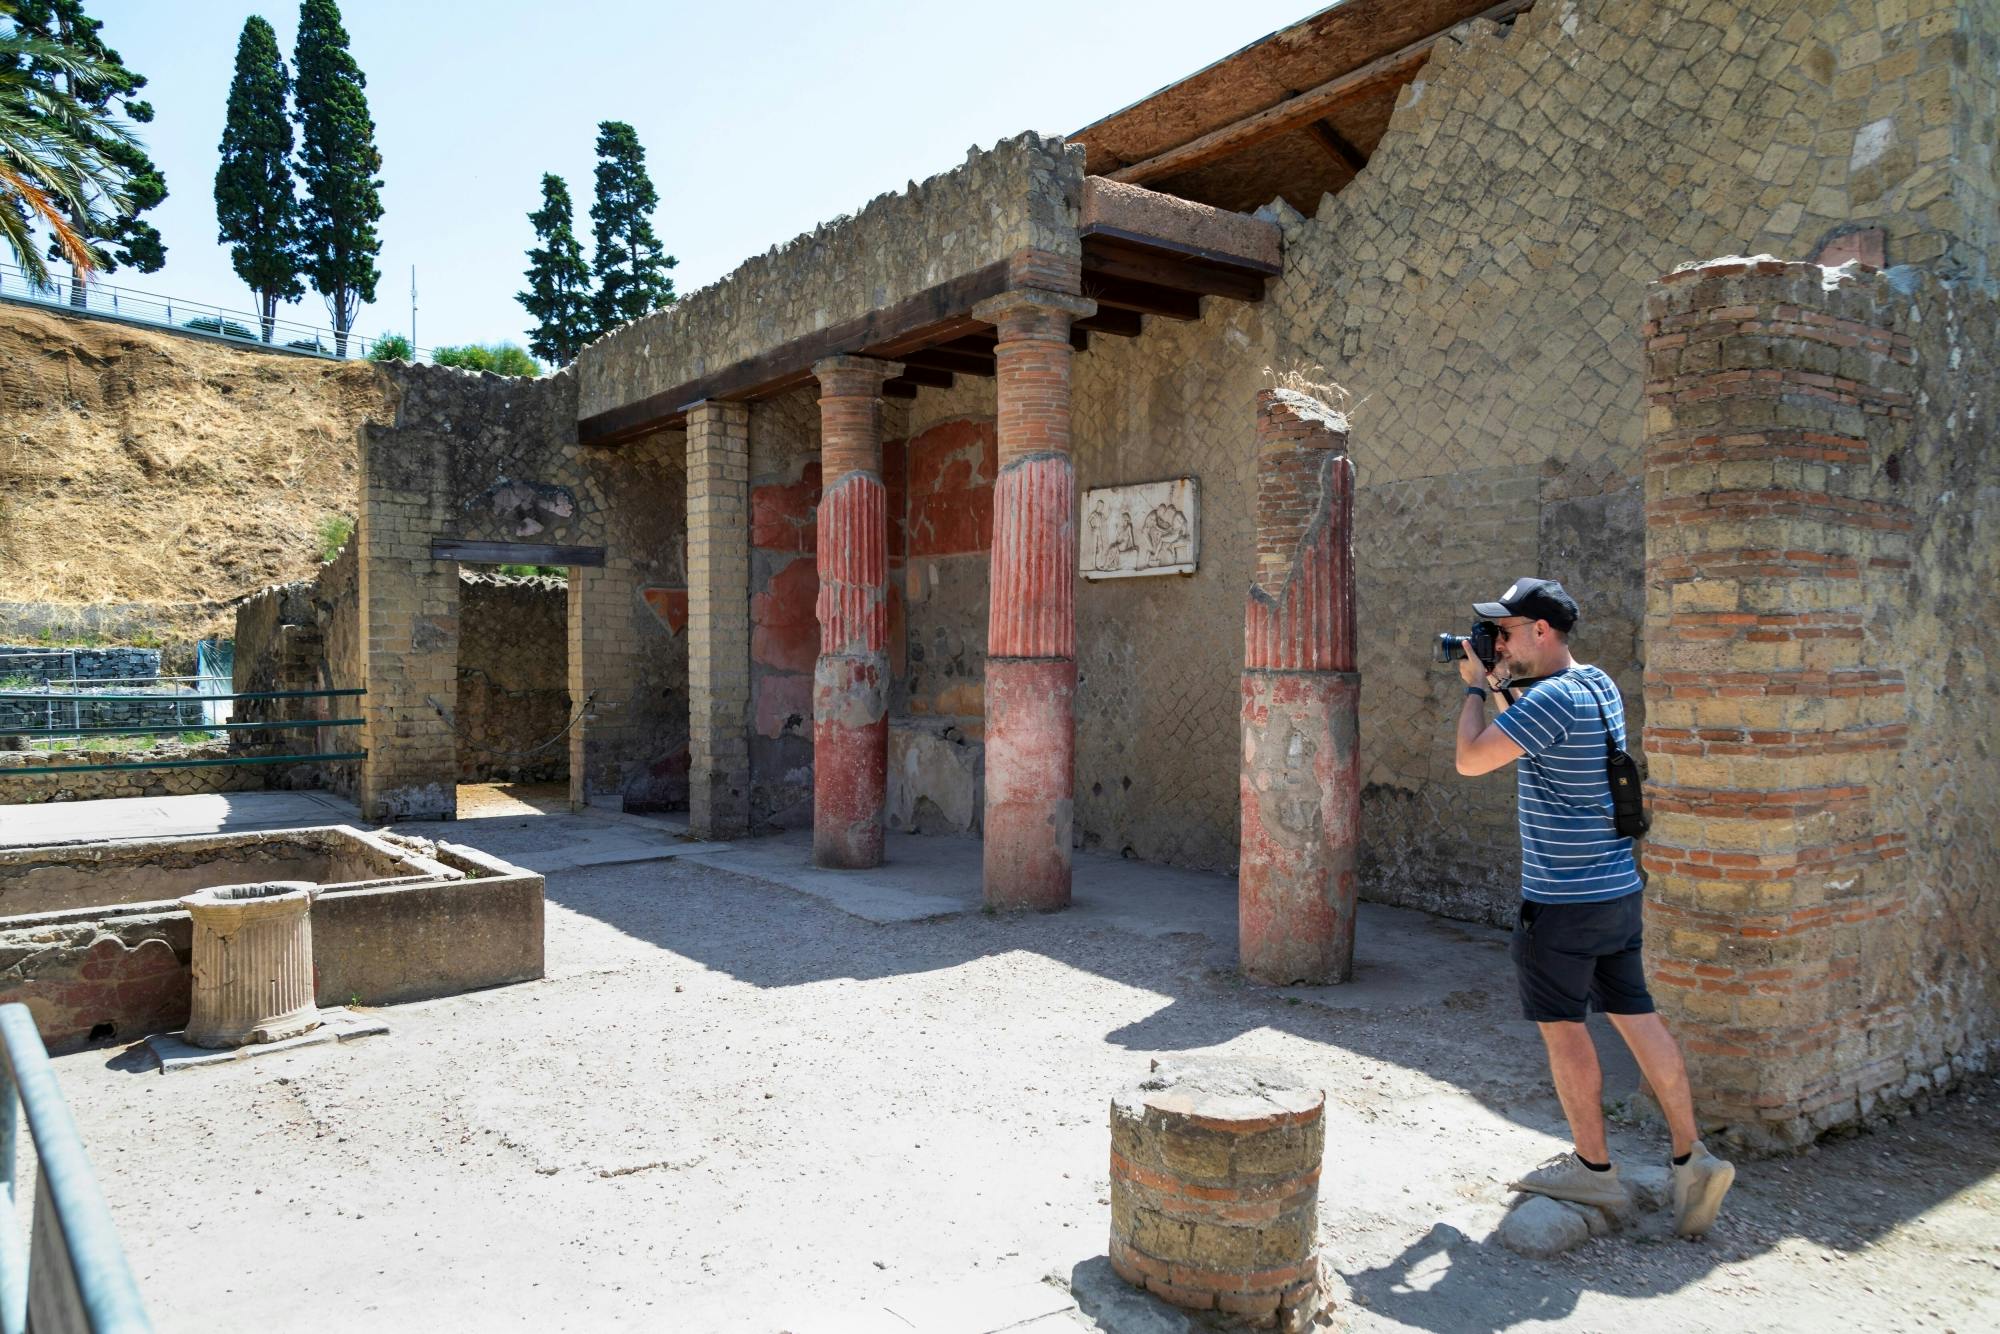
<point>23,788</point>
<point>1479,289</point>
<point>784,583</point>
<point>513,679</point>
<point>305,635</point>
<point>1022,194</point>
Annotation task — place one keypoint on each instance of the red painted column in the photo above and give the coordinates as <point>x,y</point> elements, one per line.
<point>1031,617</point>
<point>1301,790</point>
<point>851,678</point>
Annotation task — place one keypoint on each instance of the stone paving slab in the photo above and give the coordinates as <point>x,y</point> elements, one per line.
<point>337,1024</point>
<point>56,822</point>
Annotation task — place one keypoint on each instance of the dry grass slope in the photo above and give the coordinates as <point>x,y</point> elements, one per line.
<point>154,468</point>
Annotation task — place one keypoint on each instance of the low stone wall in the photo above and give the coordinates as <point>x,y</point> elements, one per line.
<point>18,788</point>
<point>45,664</point>
<point>513,679</point>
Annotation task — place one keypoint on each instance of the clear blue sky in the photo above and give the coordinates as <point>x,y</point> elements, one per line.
<point>759,120</point>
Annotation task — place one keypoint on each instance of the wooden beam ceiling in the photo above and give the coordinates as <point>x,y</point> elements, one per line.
<point>1301,111</point>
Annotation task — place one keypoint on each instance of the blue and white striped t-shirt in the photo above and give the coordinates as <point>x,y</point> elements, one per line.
<point>1570,848</point>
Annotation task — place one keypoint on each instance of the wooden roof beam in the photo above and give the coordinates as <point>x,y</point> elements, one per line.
<point>1298,112</point>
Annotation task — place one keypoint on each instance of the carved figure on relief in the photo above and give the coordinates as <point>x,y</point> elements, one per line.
<point>1141,529</point>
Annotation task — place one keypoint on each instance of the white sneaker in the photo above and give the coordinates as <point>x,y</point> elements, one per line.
<point>1566,1178</point>
<point>1699,1185</point>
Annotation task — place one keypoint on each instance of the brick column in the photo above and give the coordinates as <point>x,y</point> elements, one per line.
<point>718,480</point>
<point>851,678</point>
<point>1031,618</point>
<point>1301,787</point>
<point>408,632</point>
<point>1776,564</point>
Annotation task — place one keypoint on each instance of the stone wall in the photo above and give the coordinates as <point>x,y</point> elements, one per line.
<point>784,584</point>
<point>513,679</point>
<point>17,788</point>
<point>1479,289</point>
<point>482,458</point>
<point>1022,194</point>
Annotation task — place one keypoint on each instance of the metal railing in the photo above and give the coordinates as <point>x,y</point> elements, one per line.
<point>168,312</point>
<point>70,1274</point>
<point>56,732</point>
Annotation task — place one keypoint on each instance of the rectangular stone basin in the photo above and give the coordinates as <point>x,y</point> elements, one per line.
<point>93,941</point>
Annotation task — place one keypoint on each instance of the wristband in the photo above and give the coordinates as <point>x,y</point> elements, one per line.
<point>1475,690</point>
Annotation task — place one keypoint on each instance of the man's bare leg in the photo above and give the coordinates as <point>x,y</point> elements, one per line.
<point>1659,1056</point>
<point>1580,1086</point>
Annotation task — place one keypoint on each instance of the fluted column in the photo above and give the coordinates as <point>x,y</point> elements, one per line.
<point>1031,620</point>
<point>851,678</point>
<point>1301,789</point>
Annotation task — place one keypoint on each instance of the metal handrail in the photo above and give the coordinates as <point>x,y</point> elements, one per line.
<point>168,312</point>
<point>41,696</point>
<point>317,757</point>
<point>74,1275</point>
<point>88,732</point>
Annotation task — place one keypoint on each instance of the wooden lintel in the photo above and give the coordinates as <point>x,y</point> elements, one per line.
<point>1145,298</point>
<point>1113,321</point>
<point>924,317</point>
<point>1143,264</point>
<point>514,553</point>
<point>928,376</point>
<point>950,359</point>
<point>1297,112</point>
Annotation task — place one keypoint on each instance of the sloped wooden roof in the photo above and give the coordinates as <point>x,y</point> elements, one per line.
<point>1294,114</point>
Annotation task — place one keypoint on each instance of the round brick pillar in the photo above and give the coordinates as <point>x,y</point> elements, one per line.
<point>1215,1191</point>
<point>1031,621</point>
<point>851,678</point>
<point>253,963</point>
<point>1301,780</point>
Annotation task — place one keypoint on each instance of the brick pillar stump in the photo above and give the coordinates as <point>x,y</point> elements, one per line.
<point>1777,563</point>
<point>718,625</point>
<point>1301,778</point>
<point>1031,621</point>
<point>851,677</point>
<point>1215,1191</point>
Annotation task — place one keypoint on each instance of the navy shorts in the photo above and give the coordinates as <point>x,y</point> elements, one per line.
<point>1574,957</point>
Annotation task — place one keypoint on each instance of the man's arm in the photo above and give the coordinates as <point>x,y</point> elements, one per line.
<point>1482,748</point>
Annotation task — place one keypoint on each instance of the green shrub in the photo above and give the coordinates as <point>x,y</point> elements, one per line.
<point>334,530</point>
<point>392,347</point>
<point>500,358</point>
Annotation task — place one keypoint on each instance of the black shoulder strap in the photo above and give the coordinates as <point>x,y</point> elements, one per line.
<point>1610,741</point>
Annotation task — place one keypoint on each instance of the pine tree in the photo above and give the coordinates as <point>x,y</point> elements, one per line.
<point>558,294</point>
<point>256,213</point>
<point>116,235</point>
<point>337,161</point>
<point>631,266</point>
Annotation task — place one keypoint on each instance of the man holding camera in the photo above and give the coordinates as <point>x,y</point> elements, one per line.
<point>1577,943</point>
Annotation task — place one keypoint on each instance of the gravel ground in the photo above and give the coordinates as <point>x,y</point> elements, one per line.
<point>732,1107</point>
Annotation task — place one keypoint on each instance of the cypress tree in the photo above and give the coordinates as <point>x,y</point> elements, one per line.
<point>337,161</point>
<point>116,236</point>
<point>256,213</point>
<point>631,265</point>
<point>558,294</point>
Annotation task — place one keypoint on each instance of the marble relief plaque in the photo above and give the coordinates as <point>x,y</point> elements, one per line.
<point>1141,529</point>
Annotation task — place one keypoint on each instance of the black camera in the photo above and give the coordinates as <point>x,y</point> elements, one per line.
<point>1450,647</point>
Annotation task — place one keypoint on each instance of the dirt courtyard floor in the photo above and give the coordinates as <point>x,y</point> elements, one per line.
<point>733,1105</point>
